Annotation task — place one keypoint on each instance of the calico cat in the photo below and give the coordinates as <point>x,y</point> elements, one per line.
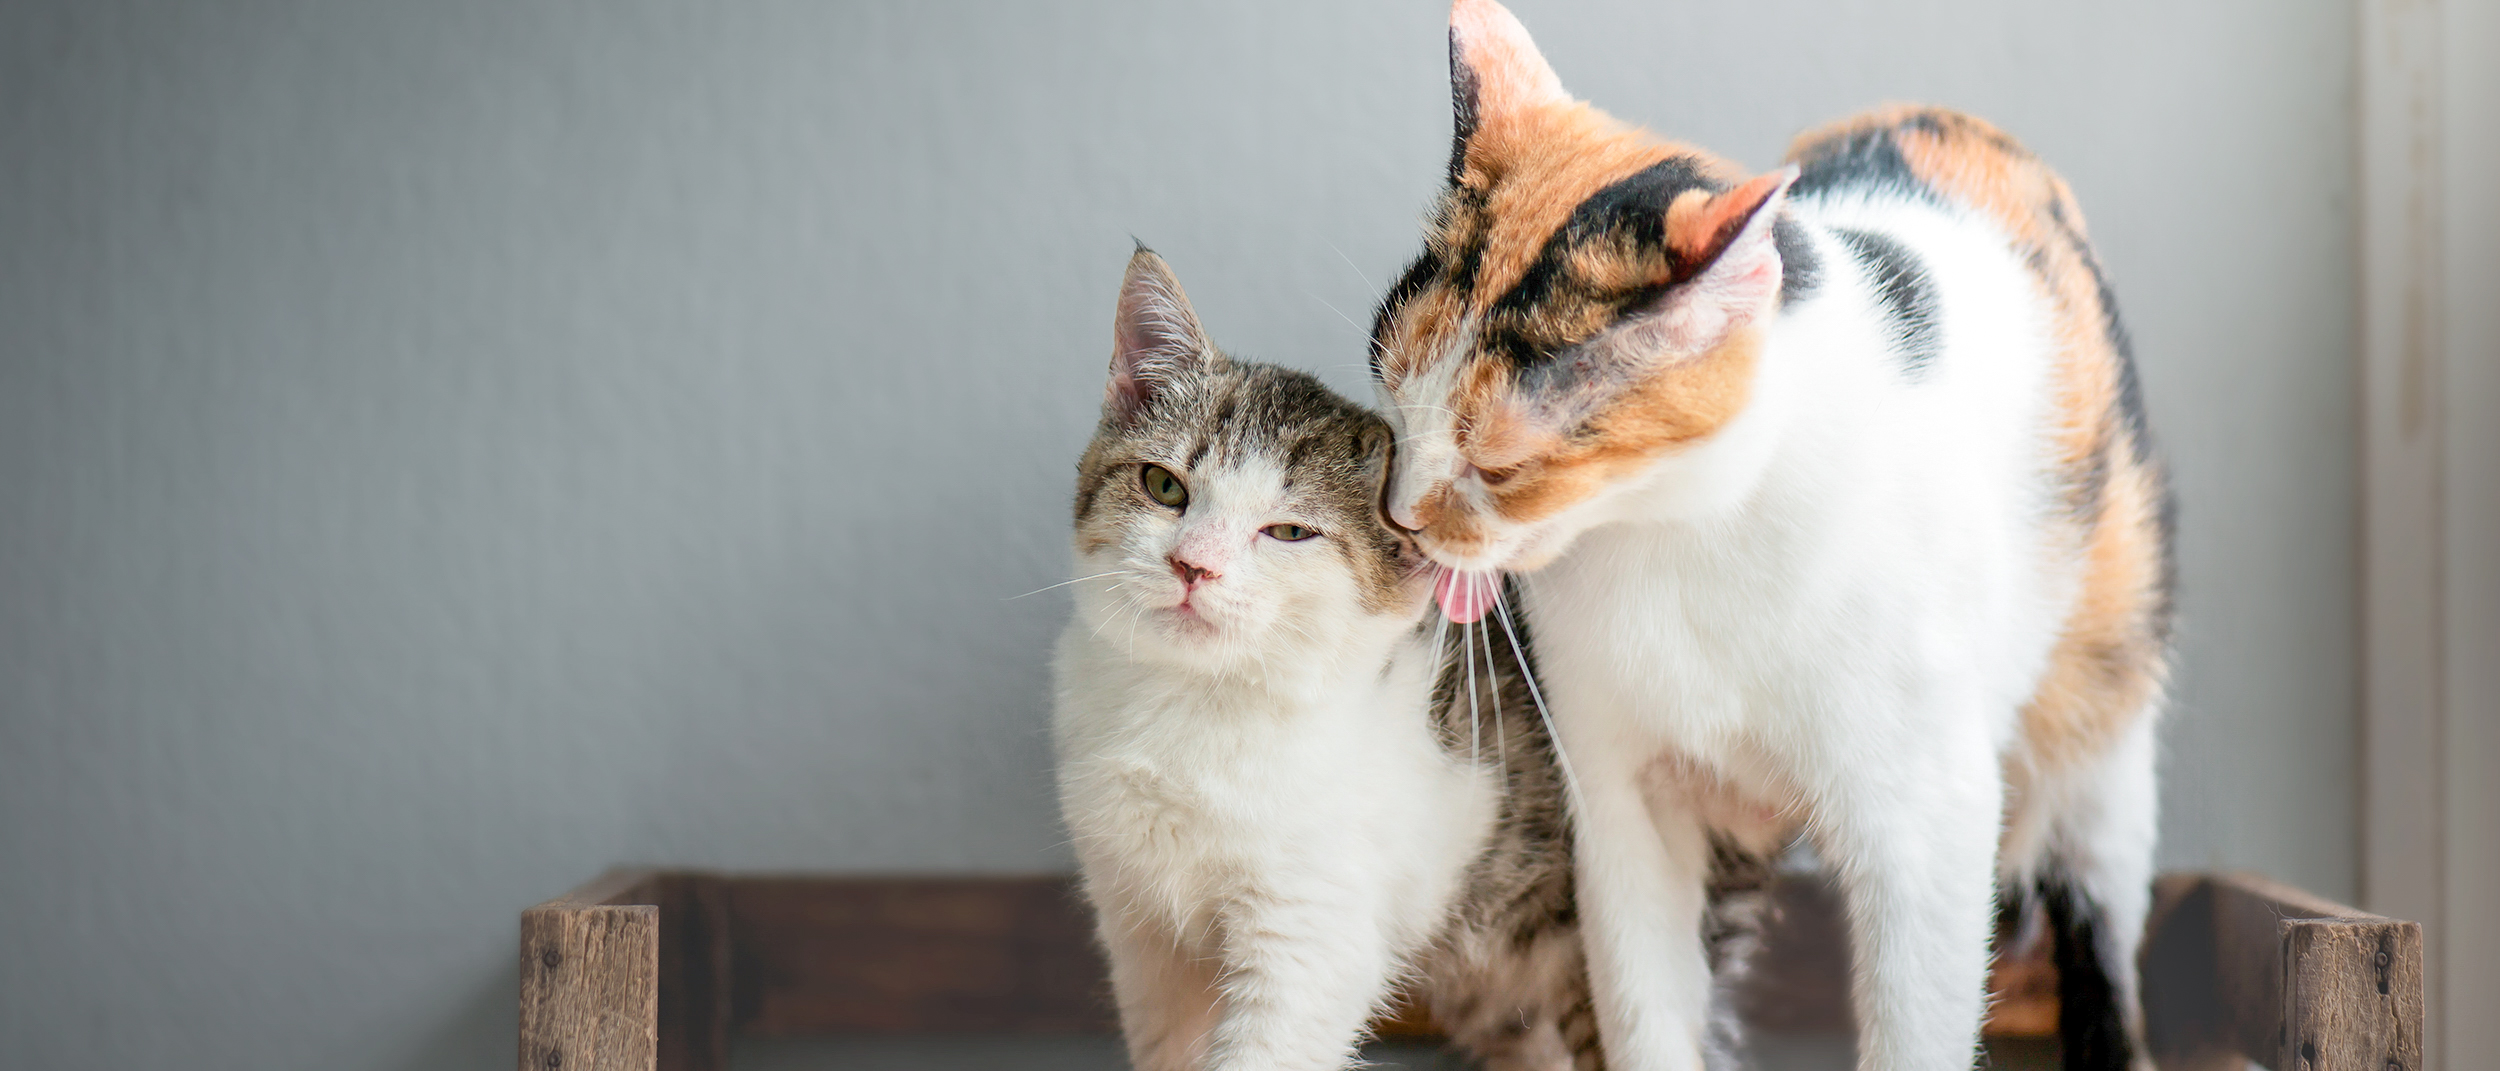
<point>1829,495</point>
<point>1285,799</point>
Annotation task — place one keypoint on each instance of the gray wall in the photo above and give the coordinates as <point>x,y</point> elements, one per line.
<point>446,449</point>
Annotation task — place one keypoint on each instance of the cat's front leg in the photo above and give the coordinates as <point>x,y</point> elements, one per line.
<point>1301,977</point>
<point>1643,875</point>
<point>1167,996</point>
<point>1911,828</point>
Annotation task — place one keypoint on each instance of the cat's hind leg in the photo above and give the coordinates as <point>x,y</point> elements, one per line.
<point>1912,835</point>
<point>2096,882</point>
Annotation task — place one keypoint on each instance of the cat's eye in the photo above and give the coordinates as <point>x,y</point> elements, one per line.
<point>1164,487</point>
<point>1290,533</point>
<point>1494,477</point>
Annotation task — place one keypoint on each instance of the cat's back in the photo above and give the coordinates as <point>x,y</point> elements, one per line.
<point>1899,160</point>
<point>2111,505</point>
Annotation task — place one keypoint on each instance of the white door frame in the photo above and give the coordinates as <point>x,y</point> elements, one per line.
<point>2429,171</point>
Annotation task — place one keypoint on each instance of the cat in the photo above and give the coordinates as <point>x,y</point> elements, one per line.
<point>1287,796</point>
<point>1829,495</point>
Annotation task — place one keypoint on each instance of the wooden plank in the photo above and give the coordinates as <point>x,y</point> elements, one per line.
<point>2352,996</point>
<point>590,986</point>
<point>1016,955</point>
<point>2237,966</point>
<point>653,971</point>
<point>914,955</point>
<point>2187,1023</point>
<point>694,1006</point>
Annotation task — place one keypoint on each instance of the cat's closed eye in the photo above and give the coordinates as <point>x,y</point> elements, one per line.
<point>1493,477</point>
<point>1164,487</point>
<point>1290,533</point>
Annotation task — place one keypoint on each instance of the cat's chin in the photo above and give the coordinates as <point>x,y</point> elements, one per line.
<point>1523,553</point>
<point>1190,636</point>
<point>1188,623</point>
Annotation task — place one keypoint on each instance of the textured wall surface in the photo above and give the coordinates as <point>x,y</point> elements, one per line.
<point>446,449</point>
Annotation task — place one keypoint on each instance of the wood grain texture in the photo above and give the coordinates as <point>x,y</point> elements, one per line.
<point>2352,995</point>
<point>590,987</point>
<point>2238,967</point>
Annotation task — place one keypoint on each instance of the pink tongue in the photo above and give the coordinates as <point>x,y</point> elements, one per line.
<point>1463,596</point>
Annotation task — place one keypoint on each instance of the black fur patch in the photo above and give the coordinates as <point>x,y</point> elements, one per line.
<point>1463,89</point>
<point>2114,328</point>
<point>1418,276</point>
<point>1631,210</point>
<point>1860,160</point>
<point>1909,296</point>
<point>2091,1027</point>
<point>1801,272</point>
<point>1463,224</point>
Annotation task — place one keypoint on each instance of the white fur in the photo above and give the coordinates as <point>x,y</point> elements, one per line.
<point>1835,606</point>
<point>1267,827</point>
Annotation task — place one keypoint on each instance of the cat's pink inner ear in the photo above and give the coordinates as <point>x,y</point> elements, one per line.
<point>1701,230</point>
<point>1154,337</point>
<point>1491,50</point>
<point>1726,244</point>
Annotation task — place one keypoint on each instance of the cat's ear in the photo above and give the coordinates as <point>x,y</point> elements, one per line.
<point>1155,339</point>
<point>1496,75</point>
<point>1723,272</point>
<point>1727,268</point>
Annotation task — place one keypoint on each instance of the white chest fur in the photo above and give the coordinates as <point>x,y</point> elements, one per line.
<point>1301,844</point>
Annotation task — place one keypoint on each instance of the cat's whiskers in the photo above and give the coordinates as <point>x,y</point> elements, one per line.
<point>1571,780</point>
<point>1065,583</point>
<point>1475,713</point>
<point>1440,654</point>
<point>1425,405</point>
<point>1359,329</point>
<point>1126,596</point>
<point>1377,292</point>
<point>1135,616</point>
<point>1492,672</point>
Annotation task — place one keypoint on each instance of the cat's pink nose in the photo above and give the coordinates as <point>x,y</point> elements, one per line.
<point>1191,573</point>
<point>1404,516</point>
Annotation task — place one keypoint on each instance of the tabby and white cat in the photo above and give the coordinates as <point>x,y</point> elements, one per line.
<point>1286,796</point>
<point>1831,502</point>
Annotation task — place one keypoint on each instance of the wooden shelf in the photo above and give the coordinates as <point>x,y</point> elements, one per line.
<point>651,969</point>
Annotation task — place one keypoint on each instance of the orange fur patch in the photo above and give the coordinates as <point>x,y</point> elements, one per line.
<point>1680,403</point>
<point>1538,166</point>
